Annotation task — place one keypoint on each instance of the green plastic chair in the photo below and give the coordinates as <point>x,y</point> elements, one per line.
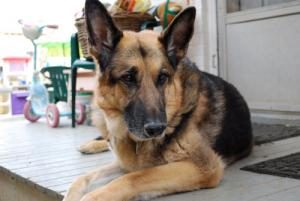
<point>59,77</point>
<point>76,63</point>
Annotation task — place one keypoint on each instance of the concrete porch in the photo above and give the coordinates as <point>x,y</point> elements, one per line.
<point>39,163</point>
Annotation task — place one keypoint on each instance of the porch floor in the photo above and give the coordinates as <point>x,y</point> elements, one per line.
<point>46,159</point>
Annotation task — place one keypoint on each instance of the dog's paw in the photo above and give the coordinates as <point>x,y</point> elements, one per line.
<point>91,197</point>
<point>77,190</point>
<point>93,146</point>
<point>104,194</point>
<point>73,196</point>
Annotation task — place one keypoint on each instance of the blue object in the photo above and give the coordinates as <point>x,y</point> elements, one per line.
<point>39,96</point>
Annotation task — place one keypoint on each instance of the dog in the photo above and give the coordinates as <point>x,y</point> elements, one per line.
<point>172,127</point>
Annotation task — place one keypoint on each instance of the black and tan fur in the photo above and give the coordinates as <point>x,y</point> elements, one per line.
<point>172,127</point>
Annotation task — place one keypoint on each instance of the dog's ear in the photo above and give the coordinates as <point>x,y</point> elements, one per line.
<point>178,34</point>
<point>103,35</point>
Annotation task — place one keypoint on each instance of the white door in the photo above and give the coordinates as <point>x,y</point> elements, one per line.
<point>259,43</point>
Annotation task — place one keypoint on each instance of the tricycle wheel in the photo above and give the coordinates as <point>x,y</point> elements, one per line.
<point>52,115</point>
<point>28,112</point>
<point>80,113</point>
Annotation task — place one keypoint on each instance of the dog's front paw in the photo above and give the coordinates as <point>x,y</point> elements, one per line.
<point>72,196</point>
<point>103,195</point>
<point>90,197</point>
<point>76,190</point>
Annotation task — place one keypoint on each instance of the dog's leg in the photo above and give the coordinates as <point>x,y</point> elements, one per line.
<point>94,146</point>
<point>160,180</point>
<point>79,187</point>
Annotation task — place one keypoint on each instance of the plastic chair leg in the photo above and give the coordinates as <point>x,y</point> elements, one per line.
<point>74,77</point>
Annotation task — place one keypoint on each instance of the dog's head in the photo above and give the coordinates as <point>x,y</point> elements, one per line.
<point>136,68</point>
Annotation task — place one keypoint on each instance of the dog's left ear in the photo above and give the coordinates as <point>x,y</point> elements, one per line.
<point>178,34</point>
<point>103,35</point>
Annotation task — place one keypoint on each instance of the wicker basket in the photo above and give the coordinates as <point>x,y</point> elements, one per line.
<point>124,21</point>
<point>131,21</point>
<point>82,36</point>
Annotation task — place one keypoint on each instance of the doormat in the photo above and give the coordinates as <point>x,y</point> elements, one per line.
<point>286,166</point>
<point>264,133</point>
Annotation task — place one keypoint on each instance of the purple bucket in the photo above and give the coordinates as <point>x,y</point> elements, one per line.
<point>18,100</point>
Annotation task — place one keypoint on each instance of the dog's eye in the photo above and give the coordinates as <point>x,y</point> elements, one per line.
<point>162,78</point>
<point>128,77</point>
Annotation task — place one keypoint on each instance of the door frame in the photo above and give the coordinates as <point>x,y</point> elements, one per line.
<point>212,23</point>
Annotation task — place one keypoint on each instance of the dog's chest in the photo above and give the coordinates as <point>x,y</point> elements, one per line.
<point>174,152</point>
<point>134,156</point>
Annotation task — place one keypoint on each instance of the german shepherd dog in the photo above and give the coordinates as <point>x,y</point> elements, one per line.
<point>171,127</point>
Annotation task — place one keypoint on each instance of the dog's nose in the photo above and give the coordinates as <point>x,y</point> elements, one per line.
<point>154,129</point>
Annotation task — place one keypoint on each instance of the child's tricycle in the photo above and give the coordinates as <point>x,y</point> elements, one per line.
<point>38,105</point>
